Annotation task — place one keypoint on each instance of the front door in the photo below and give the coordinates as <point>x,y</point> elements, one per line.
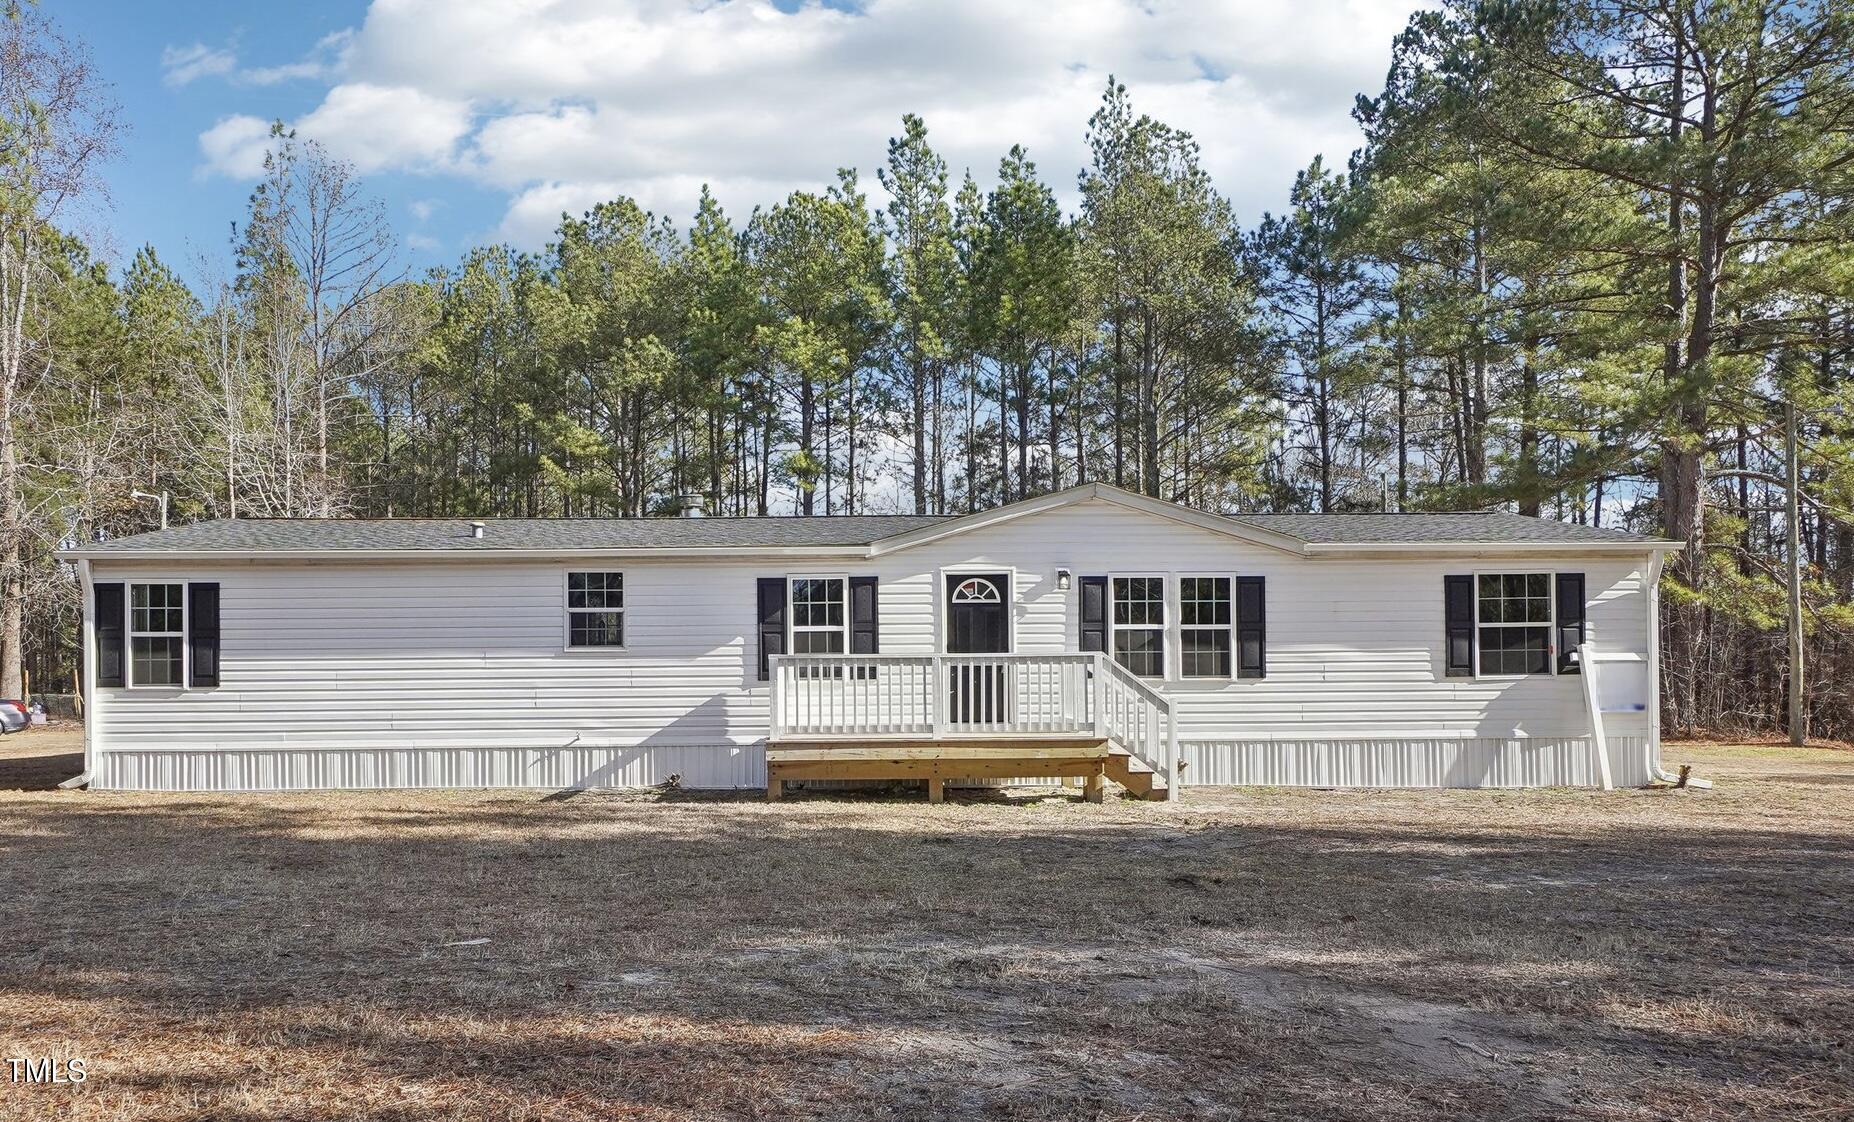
<point>977,622</point>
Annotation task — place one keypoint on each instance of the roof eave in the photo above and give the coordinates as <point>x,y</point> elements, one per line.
<point>93,555</point>
<point>1634,548</point>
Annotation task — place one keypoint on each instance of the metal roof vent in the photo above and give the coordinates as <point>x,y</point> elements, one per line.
<point>692,506</point>
<point>476,529</point>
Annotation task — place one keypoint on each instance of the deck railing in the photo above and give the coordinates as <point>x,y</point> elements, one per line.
<point>973,697</point>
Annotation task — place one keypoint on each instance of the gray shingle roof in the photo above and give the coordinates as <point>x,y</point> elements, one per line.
<point>504,534</point>
<point>1475,527</point>
<point>542,535</point>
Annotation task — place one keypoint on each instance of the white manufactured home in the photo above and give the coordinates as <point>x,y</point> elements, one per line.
<point>1090,633</point>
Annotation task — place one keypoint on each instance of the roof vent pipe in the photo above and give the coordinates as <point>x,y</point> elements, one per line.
<point>476,529</point>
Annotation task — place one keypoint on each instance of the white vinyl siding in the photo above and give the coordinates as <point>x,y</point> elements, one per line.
<point>460,666</point>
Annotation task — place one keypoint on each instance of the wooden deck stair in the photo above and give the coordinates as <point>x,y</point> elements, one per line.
<point>1133,773</point>
<point>1090,758</point>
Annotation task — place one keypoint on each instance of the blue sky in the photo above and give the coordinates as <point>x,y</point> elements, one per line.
<point>484,120</point>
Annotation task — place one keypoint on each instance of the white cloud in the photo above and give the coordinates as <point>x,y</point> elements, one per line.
<point>422,242</point>
<point>235,146</point>
<point>181,65</point>
<point>535,213</point>
<point>387,127</point>
<point>423,209</point>
<point>376,128</point>
<point>324,60</point>
<point>562,103</point>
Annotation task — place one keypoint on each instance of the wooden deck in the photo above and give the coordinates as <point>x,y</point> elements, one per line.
<point>939,717</point>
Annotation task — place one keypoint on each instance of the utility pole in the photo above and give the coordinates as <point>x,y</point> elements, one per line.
<point>161,498</point>
<point>1798,718</point>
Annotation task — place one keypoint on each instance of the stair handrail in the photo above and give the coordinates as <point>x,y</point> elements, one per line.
<point>1165,763</point>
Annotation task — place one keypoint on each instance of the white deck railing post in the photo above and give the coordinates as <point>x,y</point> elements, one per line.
<point>939,685</point>
<point>776,699</point>
<point>1174,767</point>
<point>1099,698</point>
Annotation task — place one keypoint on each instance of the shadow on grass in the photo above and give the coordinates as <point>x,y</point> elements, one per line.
<point>39,773</point>
<point>694,943</point>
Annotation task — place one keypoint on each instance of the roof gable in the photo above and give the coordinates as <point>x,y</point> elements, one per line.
<point>1087,492</point>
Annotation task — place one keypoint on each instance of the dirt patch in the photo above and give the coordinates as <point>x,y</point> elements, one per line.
<point>1275,954</point>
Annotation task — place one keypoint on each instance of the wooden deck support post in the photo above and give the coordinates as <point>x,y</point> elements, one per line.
<point>936,790</point>
<point>1095,790</point>
<point>775,787</point>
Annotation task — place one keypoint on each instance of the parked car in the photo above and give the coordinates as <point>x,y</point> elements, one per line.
<point>13,716</point>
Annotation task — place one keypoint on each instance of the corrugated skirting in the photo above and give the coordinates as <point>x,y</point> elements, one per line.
<point>300,769</point>
<point>1441,762</point>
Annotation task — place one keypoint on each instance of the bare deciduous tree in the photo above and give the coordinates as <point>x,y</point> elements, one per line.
<point>57,124</point>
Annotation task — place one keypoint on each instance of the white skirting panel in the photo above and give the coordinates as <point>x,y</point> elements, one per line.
<point>1438,762</point>
<point>300,769</point>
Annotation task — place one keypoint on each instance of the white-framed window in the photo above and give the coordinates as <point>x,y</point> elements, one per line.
<point>1513,615</point>
<point>158,633</point>
<point>1206,626</point>
<point>1136,614</point>
<point>595,609</point>
<point>819,611</point>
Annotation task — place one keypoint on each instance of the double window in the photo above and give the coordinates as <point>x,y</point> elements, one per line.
<point>820,622</point>
<point>157,634</point>
<point>1514,614</point>
<point>595,609</point>
<point>1138,619</point>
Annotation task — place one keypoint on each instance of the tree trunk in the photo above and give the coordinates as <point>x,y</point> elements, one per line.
<point>920,429</point>
<point>1529,438</point>
<point>1120,397</point>
<point>1403,411</point>
<point>1148,406</point>
<point>807,416</point>
<point>1004,436</point>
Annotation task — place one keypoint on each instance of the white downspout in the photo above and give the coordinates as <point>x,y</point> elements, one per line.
<point>1655,770</point>
<point>88,669</point>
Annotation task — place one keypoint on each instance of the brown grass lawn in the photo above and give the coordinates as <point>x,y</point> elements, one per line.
<point>1247,953</point>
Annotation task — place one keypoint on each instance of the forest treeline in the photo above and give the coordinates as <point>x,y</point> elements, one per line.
<point>1585,256</point>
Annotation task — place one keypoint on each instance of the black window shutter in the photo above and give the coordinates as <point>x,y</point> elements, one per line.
<point>1458,612</point>
<point>1570,620</point>
<point>203,633</point>
<point>1251,628</point>
<point>112,636</point>
<point>864,638</point>
<point>1094,613</point>
<point>772,621</point>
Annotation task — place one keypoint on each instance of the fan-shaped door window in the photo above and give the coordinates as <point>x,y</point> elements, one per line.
<point>977,590</point>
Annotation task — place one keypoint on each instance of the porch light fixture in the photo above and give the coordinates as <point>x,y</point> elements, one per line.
<point>1063,580</point>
